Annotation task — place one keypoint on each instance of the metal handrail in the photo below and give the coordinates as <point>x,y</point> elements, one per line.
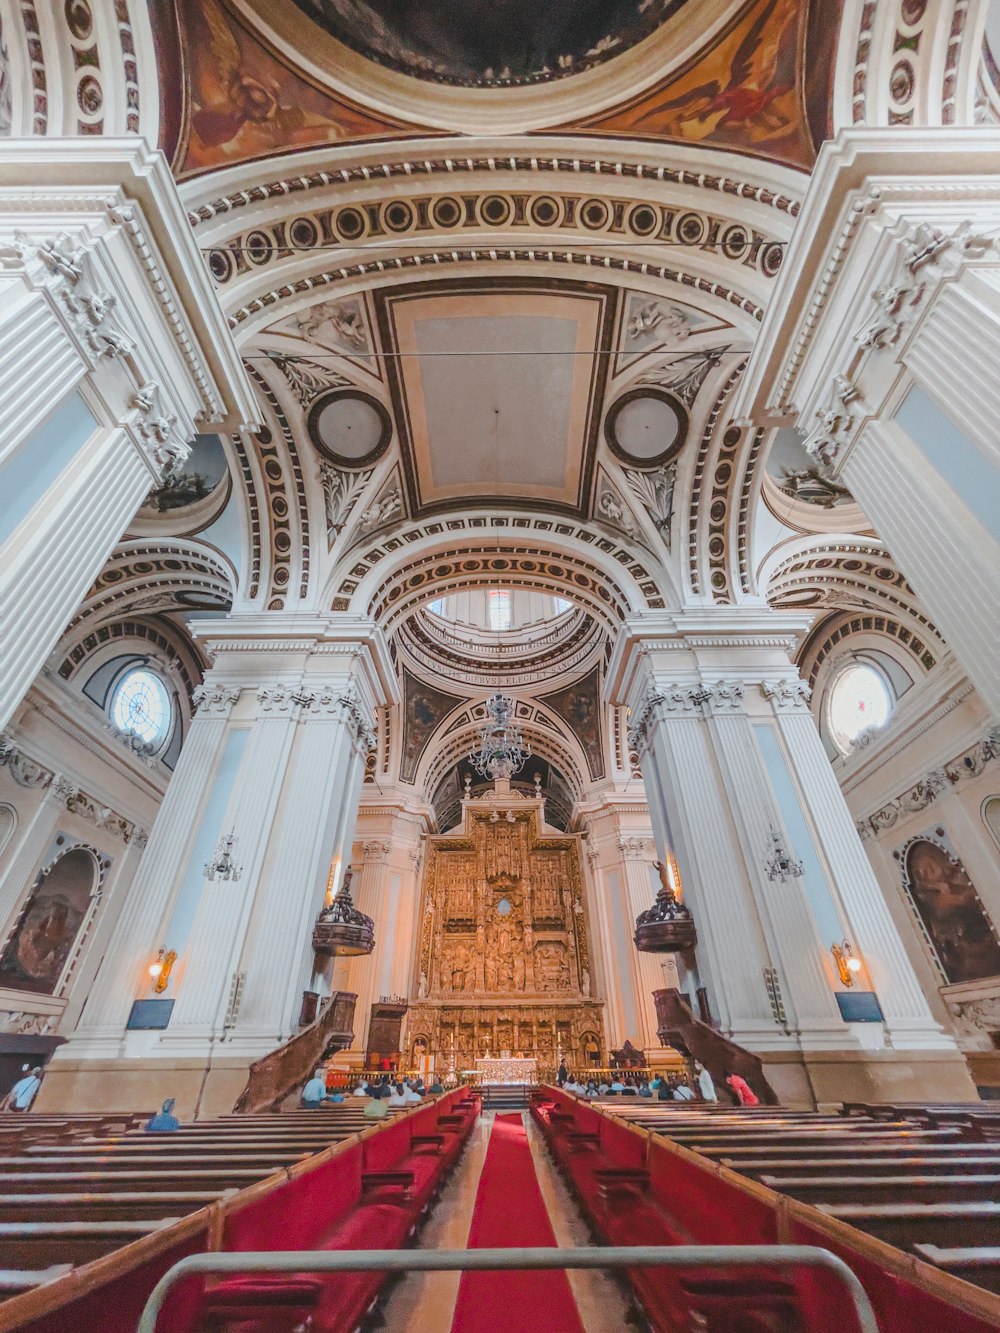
<point>610,1256</point>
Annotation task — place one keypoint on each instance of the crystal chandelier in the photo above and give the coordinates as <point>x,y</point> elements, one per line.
<point>502,749</point>
<point>782,864</point>
<point>222,865</point>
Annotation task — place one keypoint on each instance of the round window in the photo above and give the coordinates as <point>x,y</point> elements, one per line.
<point>140,705</point>
<point>860,700</point>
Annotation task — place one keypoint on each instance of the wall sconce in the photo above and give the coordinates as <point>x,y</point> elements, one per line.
<point>847,965</point>
<point>159,969</point>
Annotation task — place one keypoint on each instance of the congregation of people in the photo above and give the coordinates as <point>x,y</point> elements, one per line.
<point>380,1092</point>
<point>662,1087</point>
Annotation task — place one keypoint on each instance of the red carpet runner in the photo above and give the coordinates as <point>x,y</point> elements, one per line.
<point>510,1211</point>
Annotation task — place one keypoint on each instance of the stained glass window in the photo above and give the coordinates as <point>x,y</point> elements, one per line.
<point>860,699</point>
<point>141,705</point>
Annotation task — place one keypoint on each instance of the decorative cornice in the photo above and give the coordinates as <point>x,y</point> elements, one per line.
<point>969,764</point>
<point>544,164</point>
<point>27,773</point>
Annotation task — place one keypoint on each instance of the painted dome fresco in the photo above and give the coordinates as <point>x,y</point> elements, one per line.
<point>487,43</point>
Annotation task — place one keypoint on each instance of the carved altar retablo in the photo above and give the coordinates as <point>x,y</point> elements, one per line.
<point>504,959</point>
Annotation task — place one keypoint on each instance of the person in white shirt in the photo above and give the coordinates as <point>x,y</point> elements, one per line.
<point>24,1092</point>
<point>362,1089</point>
<point>683,1093</point>
<point>603,1089</point>
<point>410,1094</point>
<point>616,1085</point>
<point>397,1097</point>
<point>705,1084</point>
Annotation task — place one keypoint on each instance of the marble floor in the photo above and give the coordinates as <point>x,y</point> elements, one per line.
<point>425,1302</point>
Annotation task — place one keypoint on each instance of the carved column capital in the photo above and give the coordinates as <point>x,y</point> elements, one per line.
<point>214,700</point>
<point>787,694</point>
<point>377,849</point>
<point>635,848</point>
<point>724,696</point>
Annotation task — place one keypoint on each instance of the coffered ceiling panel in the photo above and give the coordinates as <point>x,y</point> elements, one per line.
<point>497,389</point>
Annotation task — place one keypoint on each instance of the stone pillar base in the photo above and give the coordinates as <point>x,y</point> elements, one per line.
<point>824,1079</point>
<point>143,1085</point>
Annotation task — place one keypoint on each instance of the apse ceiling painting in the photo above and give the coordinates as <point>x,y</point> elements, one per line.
<point>490,43</point>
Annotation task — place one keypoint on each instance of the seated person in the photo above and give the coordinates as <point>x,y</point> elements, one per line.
<point>163,1122</point>
<point>362,1089</point>
<point>435,1086</point>
<point>645,1089</point>
<point>665,1092</point>
<point>375,1109</point>
<point>591,1089</point>
<point>411,1094</point>
<point>397,1097</point>
<point>314,1093</point>
<point>683,1092</point>
<point>603,1088</point>
<point>24,1091</point>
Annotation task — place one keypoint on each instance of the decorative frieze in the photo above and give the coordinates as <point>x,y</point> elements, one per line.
<point>933,784</point>
<point>157,429</point>
<point>24,771</point>
<point>27,1025</point>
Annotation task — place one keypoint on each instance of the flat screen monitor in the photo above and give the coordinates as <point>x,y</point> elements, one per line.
<point>859,1006</point>
<point>150,1014</point>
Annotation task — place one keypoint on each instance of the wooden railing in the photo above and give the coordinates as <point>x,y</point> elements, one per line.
<point>678,1026</point>
<point>282,1071</point>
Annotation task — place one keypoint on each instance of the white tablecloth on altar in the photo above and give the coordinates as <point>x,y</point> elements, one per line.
<point>499,1070</point>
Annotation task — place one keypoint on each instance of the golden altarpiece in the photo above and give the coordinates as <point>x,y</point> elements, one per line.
<point>504,961</point>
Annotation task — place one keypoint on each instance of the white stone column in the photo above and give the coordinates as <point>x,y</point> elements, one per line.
<point>636,854</point>
<point>319,802</point>
<point>680,769</point>
<point>206,979</point>
<point>111,361</point>
<point>709,692</point>
<point>46,568</point>
<point>869,927</point>
<point>944,551</point>
<point>371,888</point>
<point>957,347</point>
<point>138,934</point>
<point>31,841</point>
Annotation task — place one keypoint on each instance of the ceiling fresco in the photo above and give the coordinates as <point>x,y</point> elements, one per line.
<point>761,85</point>
<point>489,43</point>
<point>239,101</point>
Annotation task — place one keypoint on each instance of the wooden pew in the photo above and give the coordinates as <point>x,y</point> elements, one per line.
<point>942,1188</point>
<point>979,1264</point>
<point>103,1206</point>
<point>31,1244</point>
<point>905,1224</point>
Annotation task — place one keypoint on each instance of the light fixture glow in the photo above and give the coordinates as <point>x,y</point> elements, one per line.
<point>847,965</point>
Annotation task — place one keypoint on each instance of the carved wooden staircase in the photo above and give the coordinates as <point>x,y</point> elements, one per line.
<point>678,1026</point>
<point>286,1069</point>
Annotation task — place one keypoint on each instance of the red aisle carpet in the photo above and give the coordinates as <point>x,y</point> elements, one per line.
<point>510,1211</point>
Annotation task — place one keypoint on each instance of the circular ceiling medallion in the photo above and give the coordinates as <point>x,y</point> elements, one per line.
<point>646,427</point>
<point>349,427</point>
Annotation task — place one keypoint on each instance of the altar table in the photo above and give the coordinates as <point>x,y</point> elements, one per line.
<point>500,1070</point>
